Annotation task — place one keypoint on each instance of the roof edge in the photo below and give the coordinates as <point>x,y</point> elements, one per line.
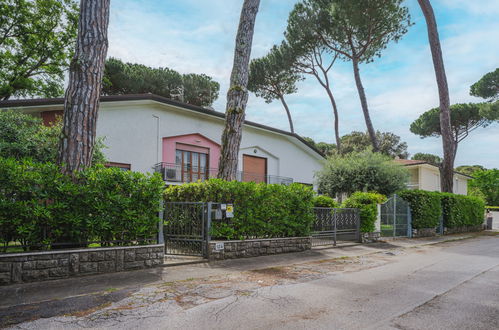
<point>157,98</point>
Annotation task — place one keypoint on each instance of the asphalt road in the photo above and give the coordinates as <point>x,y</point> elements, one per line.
<point>446,286</point>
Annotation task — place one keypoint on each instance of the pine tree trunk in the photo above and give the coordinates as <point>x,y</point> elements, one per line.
<point>285,105</point>
<point>81,101</point>
<point>336,119</point>
<point>449,146</point>
<point>237,96</point>
<point>363,103</point>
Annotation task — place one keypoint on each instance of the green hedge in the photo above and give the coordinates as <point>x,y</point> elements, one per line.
<point>367,203</point>
<point>457,210</point>
<point>325,201</point>
<point>425,206</point>
<point>461,211</point>
<point>41,206</point>
<point>260,210</point>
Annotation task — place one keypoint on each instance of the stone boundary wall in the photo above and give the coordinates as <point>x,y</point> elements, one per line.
<point>466,229</point>
<point>57,264</point>
<point>424,232</point>
<point>257,247</point>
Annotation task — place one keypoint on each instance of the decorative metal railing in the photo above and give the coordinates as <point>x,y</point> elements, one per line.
<point>187,173</point>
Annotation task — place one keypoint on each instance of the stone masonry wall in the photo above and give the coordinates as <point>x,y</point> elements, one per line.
<point>465,229</point>
<point>48,265</point>
<point>424,232</point>
<point>258,247</point>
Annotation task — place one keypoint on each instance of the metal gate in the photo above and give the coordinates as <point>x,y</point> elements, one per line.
<point>186,227</point>
<point>396,218</point>
<point>333,225</point>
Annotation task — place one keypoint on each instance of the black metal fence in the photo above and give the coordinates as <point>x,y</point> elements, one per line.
<point>189,173</point>
<point>16,247</point>
<point>335,224</point>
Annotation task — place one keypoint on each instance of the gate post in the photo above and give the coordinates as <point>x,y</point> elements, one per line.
<point>161,236</point>
<point>357,226</point>
<point>335,220</point>
<point>209,207</point>
<point>409,222</point>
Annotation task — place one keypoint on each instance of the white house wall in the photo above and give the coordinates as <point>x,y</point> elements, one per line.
<point>132,136</point>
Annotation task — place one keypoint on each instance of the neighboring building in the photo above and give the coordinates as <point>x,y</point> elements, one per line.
<point>146,132</point>
<point>426,176</point>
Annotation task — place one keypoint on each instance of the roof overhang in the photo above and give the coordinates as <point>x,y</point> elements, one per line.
<point>51,104</point>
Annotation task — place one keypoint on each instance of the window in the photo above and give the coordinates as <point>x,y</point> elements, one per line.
<point>122,166</point>
<point>193,165</point>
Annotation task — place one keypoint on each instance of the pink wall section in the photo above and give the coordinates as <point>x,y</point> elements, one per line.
<point>194,140</point>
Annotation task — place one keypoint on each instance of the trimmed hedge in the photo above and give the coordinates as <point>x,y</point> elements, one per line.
<point>462,211</point>
<point>425,206</point>
<point>325,201</point>
<point>260,210</point>
<point>367,203</point>
<point>457,210</point>
<point>40,206</point>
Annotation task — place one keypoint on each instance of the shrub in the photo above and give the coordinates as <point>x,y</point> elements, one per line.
<point>24,136</point>
<point>361,171</point>
<point>487,184</point>
<point>260,210</point>
<point>425,207</point>
<point>324,201</point>
<point>367,203</point>
<point>41,206</point>
<point>461,211</point>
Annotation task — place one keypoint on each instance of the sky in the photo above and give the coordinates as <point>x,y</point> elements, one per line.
<point>198,36</point>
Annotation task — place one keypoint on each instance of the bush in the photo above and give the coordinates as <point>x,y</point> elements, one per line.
<point>41,206</point>
<point>260,210</point>
<point>362,171</point>
<point>24,136</point>
<point>367,203</point>
<point>324,201</point>
<point>462,211</point>
<point>425,206</point>
<point>457,210</point>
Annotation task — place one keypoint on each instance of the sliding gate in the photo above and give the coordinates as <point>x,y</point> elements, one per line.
<point>333,225</point>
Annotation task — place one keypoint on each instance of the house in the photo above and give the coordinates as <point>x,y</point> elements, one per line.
<point>426,176</point>
<point>146,132</point>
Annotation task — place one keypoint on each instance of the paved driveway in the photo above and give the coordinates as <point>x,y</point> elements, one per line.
<point>451,285</point>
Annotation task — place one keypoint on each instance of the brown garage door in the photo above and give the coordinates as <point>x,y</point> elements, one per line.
<point>254,169</point>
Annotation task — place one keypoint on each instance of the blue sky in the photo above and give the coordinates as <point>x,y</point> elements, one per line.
<point>198,36</point>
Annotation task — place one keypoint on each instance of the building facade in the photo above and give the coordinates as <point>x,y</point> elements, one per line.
<point>426,176</point>
<point>147,133</point>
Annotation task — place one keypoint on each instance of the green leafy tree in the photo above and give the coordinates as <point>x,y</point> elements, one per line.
<point>470,169</point>
<point>389,144</point>
<point>488,184</point>
<point>487,87</point>
<point>25,136</point>
<point>36,44</point>
<point>429,158</point>
<point>271,78</point>
<point>326,148</point>
<point>359,31</point>
<point>465,118</point>
<point>132,78</point>
<point>364,171</point>
<point>199,89</point>
<point>309,56</point>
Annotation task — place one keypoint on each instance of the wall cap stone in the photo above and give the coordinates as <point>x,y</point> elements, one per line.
<point>112,248</point>
<point>260,239</point>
